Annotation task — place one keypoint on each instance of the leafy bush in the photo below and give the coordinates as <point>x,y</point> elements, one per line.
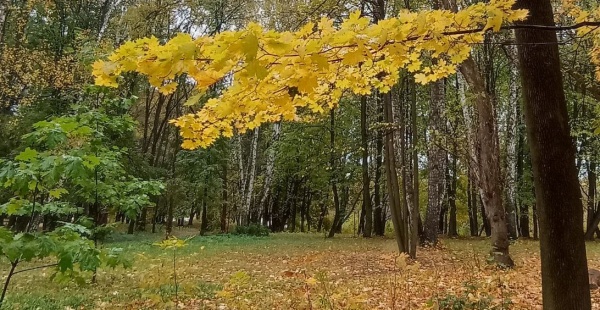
<point>252,230</point>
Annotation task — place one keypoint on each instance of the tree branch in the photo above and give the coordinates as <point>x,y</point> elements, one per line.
<point>525,26</point>
<point>34,268</point>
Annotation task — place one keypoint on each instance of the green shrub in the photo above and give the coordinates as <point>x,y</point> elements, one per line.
<point>470,300</point>
<point>252,230</point>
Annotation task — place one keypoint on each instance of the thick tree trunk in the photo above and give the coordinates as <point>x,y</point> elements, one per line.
<point>367,208</point>
<point>436,164</point>
<point>487,164</point>
<point>487,156</point>
<point>564,265</point>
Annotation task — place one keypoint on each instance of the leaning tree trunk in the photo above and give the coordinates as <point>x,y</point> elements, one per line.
<point>487,163</point>
<point>558,197</point>
<point>436,163</point>
<point>487,157</point>
<point>393,187</point>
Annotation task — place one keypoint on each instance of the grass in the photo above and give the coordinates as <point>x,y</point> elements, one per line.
<point>291,271</point>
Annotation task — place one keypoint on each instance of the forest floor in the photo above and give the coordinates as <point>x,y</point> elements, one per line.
<point>296,271</point>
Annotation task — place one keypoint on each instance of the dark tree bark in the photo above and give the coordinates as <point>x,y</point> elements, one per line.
<point>143,218</point>
<point>367,208</point>
<point>131,226</point>
<point>591,202</point>
<point>486,221</point>
<point>398,212</point>
<point>169,224</point>
<point>558,197</point>
<point>523,207</point>
<point>294,204</point>
<point>378,219</point>
<point>192,214</point>
<point>472,207</point>
<point>225,202</point>
<point>204,220</point>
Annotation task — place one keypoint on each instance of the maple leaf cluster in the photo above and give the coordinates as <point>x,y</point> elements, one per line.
<point>574,10</point>
<point>271,75</point>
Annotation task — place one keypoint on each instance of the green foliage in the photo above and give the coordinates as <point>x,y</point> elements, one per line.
<point>255,230</point>
<point>470,299</point>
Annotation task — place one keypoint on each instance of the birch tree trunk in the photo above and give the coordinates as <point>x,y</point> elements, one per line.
<point>512,121</point>
<point>269,170</point>
<point>110,6</point>
<point>250,175</point>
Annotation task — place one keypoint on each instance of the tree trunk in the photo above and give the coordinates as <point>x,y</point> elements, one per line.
<point>591,203</point>
<point>294,204</point>
<point>472,206</point>
<point>452,180</point>
<point>204,219</point>
<point>131,226</point>
<point>192,214</point>
<point>564,264</point>
<point>436,164</point>
<point>169,224</point>
<point>393,188</point>
<point>512,136</point>
<point>225,201</point>
<point>270,168</point>
<point>367,208</point>
<point>336,198</point>
<point>523,207</point>
<point>378,219</point>
<point>250,175</point>
<point>487,156</point>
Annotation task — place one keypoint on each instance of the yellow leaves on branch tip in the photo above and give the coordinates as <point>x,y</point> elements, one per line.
<point>272,75</point>
<point>573,10</point>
